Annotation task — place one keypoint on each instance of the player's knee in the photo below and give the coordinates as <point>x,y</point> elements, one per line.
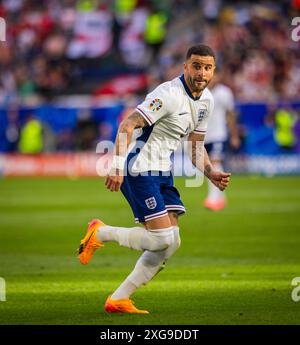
<point>177,239</point>
<point>161,239</point>
<point>176,243</point>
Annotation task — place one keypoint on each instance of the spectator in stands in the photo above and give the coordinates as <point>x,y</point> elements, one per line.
<point>155,30</point>
<point>92,31</point>
<point>57,48</point>
<point>131,41</point>
<point>31,136</point>
<point>12,131</point>
<point>285,119</point>
<point>252,40</point>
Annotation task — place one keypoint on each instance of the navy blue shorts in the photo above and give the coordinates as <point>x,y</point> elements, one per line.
<point>216,150</point>
<point>151,197</point>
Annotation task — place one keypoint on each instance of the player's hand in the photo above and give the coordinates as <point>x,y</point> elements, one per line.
<point>114,180</point>
<point>220,179</point>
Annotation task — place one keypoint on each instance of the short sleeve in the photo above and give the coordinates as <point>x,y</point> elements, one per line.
<point>157,104</point>
<point>203,116</point>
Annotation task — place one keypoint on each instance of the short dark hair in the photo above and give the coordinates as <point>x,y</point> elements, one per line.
<point>200,49</point>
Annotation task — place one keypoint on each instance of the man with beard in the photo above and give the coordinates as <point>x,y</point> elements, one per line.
<point>141,169</point>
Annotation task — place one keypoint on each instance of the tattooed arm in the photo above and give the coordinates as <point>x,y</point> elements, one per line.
<point>115,178</point>
<point>125,131</point>
<point>201,161</point>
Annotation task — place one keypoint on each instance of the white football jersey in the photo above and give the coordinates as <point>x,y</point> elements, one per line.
<point>217,124</point>
<point>172,113</point>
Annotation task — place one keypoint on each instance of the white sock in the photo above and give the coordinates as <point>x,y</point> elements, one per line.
<point>137,238</point>
<point>214,193</point>
<point>125,290</point>
<point>147,266</point>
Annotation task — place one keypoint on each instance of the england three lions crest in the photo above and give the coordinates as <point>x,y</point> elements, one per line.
<point>202,113</point>
<point>151,203</point>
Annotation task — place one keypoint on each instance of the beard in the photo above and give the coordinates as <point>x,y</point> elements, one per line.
<point>198,84</point>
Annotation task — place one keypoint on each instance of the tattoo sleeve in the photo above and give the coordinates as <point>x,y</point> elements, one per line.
<point>125,131</point>
<point>137,120</point>
<point>198,154</point>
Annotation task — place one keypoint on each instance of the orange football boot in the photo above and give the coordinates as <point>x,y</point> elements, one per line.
<point>89,243</point>
<point>124,305</point>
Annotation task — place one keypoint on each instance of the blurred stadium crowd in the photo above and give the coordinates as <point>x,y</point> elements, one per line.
<point>93,49</point>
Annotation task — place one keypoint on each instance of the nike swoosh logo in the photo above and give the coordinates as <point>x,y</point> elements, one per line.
<point>89,238</point>
<point>83,245</point>
<point>185,112</point>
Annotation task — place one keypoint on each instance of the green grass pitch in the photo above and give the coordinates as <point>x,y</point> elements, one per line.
<point>234,267</point>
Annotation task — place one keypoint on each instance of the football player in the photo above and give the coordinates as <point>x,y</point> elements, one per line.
<point>141,169</point>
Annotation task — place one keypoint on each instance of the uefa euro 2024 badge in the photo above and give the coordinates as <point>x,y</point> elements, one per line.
<point>156,104</point>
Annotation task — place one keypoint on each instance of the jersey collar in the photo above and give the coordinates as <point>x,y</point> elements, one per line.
<point>188,91</point>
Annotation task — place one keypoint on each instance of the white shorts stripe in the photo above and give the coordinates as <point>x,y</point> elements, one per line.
<point>157,216</point>
<point>154,214</point>
<point>175,207</point>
